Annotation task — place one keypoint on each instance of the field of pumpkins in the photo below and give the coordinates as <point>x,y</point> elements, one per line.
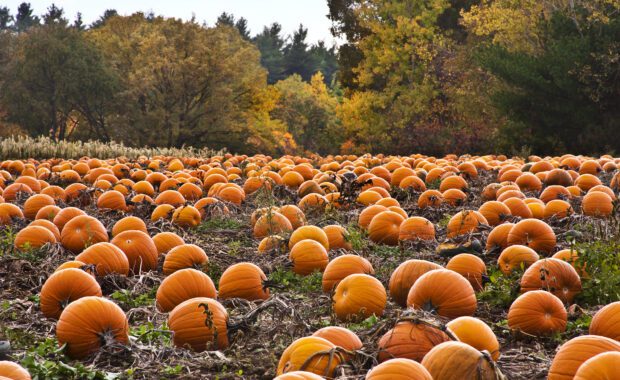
<point>337,267</point>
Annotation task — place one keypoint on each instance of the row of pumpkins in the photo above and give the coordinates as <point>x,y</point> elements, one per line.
<point>187,191</point>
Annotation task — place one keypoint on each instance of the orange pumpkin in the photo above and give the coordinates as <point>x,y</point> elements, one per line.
<point>140,250</point>
<point>33,237</point>
<point>458,361</point>
<point>107,259</point>
<point>358,296</point>
<point>410,340</point>
<point>606,321</point>
<point>598,204</point>
<point>243,280</point>
<point>533,233</point>
<point>165,241</point>
<point>498,238</point>
<point>399,369</point>
<point>516,257</point>
<point>186,216</point>
<point>310,354</point>
<point>13,371</point>
<point>64,287</point>
<point>81,232</point>
<point>415,228</point>
<point>553,275</point>
<point>309,232</point>
<point>200,324</point>
<point>182,285</point>
<point>342,266</point>
<point>469,266</point>
<point>537,313</point>
<point>272,223</point>
<point>603,366</point>
<point>405,275</point>
<point>444,292</point>
<point>476,333</point>
<point>129,223</point>
<point>465,222</point>
<point>184,256</point>
<point>36,202</point>
<point>337,237</point>
<point>308,256</point>
<point>576,351</point>
<point>340,337</point>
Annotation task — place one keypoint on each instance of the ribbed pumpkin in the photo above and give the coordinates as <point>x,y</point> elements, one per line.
<point>557,209</point>
<point>271,223</point>
<point>518,207</point>
<point>89,323</point>
<point>410,340</point>
<point>454,197</point>
<point>405,275</point>
<point>185,256</point>
<point>243,280</point>
<point>465,222</point>
<point>516,257</point>
<point>310,354</point>
<point>272,244</point>
<point>495,212</point>
<point>81,232</point>
<point>606,322</point>
<point>182,285</point>
<point>107,259</point>
<point>47,224</point>
<point>298,375</point>
<point>33,237</point>
<point>165,241</point>
<point>533,233</point>
<point>358,296</point>
<point>498,238</point>
<point>576,351</point>
<point>36,202</point>
<point>64,287</point>
<point>459,361</point>
<point>476,333</point>
<point>294,215</point>
<point>128,223</point>
<point>341,337</point>
<point>384,228</point>
<point>186,216</point>
<point>598,204</point>
<point>416,228</point>
<point>65,215</point>
<point>342,266</point>
<point>537,313</point>
<point>139,249</point>
<point>308,256</point>
<point>47,213</point>
<point>430,198</point>
<point>553,275</point>
<point>13,371</point>
<point>368,214</point>
<point>163,211</point>
<point>309,232</point>
<point>337,237</point>
<point>443,292</point>
<point>200,324</point>
<point>112,200</point>
<point>399,369</point>
<point>170,197</point>
<point>600,367</point>
<point>469,266</point>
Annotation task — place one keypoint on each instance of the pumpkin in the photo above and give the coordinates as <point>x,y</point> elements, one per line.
<point>405,275</point>
<point>518,207</point>
<point>65,215</point>
<point>454,197</point>
<point>557,209</point>
<point>140,250</point>
<point>416,228</point>
<point>533,233</point>
<point>36,202</point>
<point>47,213</point>
<point>200,324</point>
<point>603,366</point>
<point>308,256</point>
<point>186,216</point>
<point>495,212</point>
<point>106,324</point>
<point>597,204</point>
<point>274,244</point>
<point>341,267</point>
<point>243,280</point>
<point>165,241</point>
<point>459,361</point>
<point>399,369</point>
<point>64,287</point>
<point>358,296</point>
<point>537,313</point>
<point>606,321</point>
<point>294,215</point>
<point>129,223</point>
<point>558,177</point>
<point>368,197</point>
<point>587,181</point>
<point>337,237</point>
<point>476,333</point>
<point>498,238</point>
<point>469,266</point>
<point>310,354</point>
<point>553,275</point>
<point>76,264</point>
<point>170,197</point>
<point>112,200</point>
<point>190,191</point>
<point>272,223</point>
<point>430,198</point>
<point>465,222</point>
<point>45,223</point>
<point>576,351</point>
<point>107,259</point>
<point>444,292</point>
<point>298,375</point>
<point>314,202</point>
<point>384,227</point>
<point>185,256</point>
<point>410,340</point>
<point>13,371</point>
<point>309,232</point>
<point>182,285</point>
<point>572,257</point>
<point>516,257</point>
<point>82,231</point>
<point>340,337</point>
<point>33,237</point>
<point>164,211</point>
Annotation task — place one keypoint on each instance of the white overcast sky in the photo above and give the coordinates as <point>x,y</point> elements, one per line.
<point>289,13</point>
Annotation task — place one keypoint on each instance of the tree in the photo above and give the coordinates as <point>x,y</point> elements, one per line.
<point>24,19</point>
<point>54,15</point>
<point>107,15</point>
<point>297,57</point>
<point>242,27</point>
<point>78,23</point>
<point>6,18</point>
<point>270,44</point>
<point>326,61</point>
<point>50,73</point>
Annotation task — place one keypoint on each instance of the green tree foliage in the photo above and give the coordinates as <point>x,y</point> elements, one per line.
<point>560,88</point>
<point>271,45</point>
<point>24,19</point>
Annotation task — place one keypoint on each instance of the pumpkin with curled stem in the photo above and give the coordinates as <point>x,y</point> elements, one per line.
<point>199,324</point>
<point>312,354</point>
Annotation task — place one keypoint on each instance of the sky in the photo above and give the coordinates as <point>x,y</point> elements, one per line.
<point>289,13</point>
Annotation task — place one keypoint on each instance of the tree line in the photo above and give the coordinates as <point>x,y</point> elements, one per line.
<point>436,76</point>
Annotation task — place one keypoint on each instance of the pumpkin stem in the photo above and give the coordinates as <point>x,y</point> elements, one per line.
<point>331,353</point>
<point>244,322</point>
